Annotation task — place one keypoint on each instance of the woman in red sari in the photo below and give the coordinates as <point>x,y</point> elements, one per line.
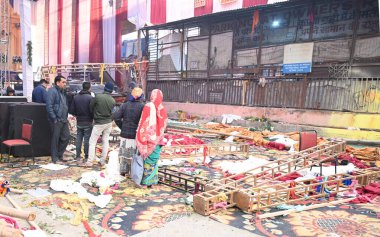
<point>150,134</point>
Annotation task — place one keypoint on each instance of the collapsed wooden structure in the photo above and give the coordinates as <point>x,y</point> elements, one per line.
<point>182,181</point>
<point>257,198</point>
<point>257,189</point>
<point>204,150</point>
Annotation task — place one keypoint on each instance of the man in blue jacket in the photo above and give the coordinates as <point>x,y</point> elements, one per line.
<point>80,108</point>
<point>57,109</point>
<point>39,94</point>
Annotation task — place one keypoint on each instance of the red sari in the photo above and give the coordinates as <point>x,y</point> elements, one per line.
<point>150,131</point>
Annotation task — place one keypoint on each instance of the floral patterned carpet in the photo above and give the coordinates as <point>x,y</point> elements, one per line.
<point>135,210</point>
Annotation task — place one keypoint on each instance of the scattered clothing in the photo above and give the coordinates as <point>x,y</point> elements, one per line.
<point>367,193</point>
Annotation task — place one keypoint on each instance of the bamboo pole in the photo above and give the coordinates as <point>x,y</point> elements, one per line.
<point>17,191</point>
<point>9,211</point>
<point>14,203</point>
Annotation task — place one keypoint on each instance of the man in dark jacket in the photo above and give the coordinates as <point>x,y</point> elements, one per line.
<point>39,94</point>
<point>129,114</point>
<point>80,107</point>
<point>102,106</point>
<point>57,109</point>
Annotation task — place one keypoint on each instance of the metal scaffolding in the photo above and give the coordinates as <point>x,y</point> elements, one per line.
<point>4,43</point>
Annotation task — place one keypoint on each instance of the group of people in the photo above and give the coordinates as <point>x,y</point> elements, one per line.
<point>142,125</point>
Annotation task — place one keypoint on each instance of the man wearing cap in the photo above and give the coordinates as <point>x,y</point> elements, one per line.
<point>102,106</point>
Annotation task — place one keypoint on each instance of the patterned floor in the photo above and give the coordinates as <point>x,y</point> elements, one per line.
<point>135,210</point>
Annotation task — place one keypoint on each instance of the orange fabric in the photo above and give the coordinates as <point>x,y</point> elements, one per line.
<point>256,19</point>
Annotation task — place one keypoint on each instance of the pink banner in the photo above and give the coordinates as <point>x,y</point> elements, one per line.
<point>67,8</point>
<point>53,31</point>
<point>158,12</point>
<point>206,9</point>
<point>84,29</point>
<point>253,3</point>
<point>96,32</point>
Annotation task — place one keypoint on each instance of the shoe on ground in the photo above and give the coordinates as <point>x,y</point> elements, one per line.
<point>67,158</point>
<point>87,164</point>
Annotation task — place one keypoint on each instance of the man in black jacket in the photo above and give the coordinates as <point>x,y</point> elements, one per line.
<point>80,107</point>
<point>57,109</point>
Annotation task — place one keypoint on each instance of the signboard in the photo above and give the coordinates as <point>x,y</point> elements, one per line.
<point>199,3</point>
<point>227,1</point>
<point>293,68</point>
<point>298,58</point>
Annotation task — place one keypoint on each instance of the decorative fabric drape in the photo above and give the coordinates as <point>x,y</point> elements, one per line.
<point>60,23</point>
<point>96,32</point>
<point>84,29</point>
<point>255,20</point>
<point>38,29</point>
<point>158,12</point>
<point>53,32</point>
<point>121,16</point>
<point>137,12</point>
<point>207,9</point>
<point>66,38</point>
<point>109,32</point>
<point>178,10</point>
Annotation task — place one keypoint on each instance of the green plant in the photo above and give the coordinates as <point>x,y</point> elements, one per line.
<point>29,52</point>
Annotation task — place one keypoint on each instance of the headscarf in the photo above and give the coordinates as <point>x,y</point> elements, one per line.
<point>152,125</point>
<point>136,94</point>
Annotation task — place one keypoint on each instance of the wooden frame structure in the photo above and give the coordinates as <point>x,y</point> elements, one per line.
<point>204,150</point>
<point>229,187</point>
<point>280,168</point>
<point>182,181</point>
<point>258,198</point>
<point>83,68</point>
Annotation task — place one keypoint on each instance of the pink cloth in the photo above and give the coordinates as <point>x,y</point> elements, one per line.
<point>367,193</point>
<point>352,159</point>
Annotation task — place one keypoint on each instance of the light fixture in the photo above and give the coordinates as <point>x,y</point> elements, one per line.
<point>275,23</point>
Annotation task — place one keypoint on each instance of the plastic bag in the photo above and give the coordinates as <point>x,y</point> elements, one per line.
<point>137,169</point>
